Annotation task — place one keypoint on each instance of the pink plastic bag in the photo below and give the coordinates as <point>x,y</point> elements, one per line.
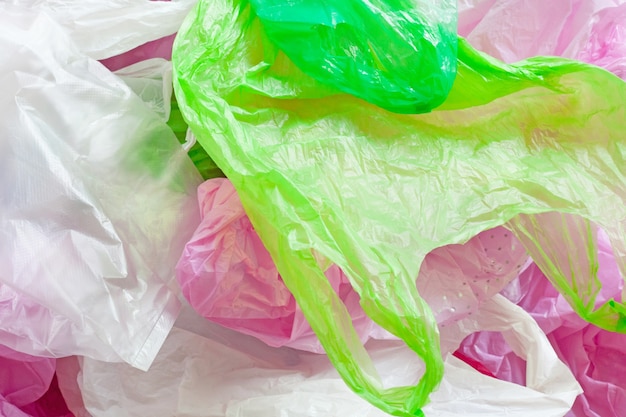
<point>588,30</point>
<point>28,386</point>
<point>606,46</point>
<point>229,277</point>
<point>595,356</point>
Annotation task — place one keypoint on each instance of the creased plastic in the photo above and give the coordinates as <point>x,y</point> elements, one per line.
<point>595,356</point>
<point>97,202</point>
<point>592,31</point>
<point>106,29</point>
<point>327,178</point>
<point>151,80</point>
<point>398,55</point>
<point>28,387</point>
<point>228,276</point>
<point>217,372</point>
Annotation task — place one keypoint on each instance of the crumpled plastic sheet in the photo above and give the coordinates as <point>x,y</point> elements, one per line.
<point>98,200</point>
<point>606,46</point>
<point>228,276</point>
<point>400,56</point>
<point>204,370</point>
<point>107,29</point>
<point>151,80</point>
<point>28,387</point>
<point>592,31</point>
<point>330,177</point>
<point>595,356</point>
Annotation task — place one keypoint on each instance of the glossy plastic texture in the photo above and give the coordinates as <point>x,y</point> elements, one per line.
<point>400,55</point>
<point>217,372</point>
<point>28,387</point>
<point>151,80</point>
<point>106,29</point>
<point>98,200</point>
<point>589,30</point>
<point>595,356</point>
<point>327,178</point>
<point>228,276</point>
<point>606,45</point>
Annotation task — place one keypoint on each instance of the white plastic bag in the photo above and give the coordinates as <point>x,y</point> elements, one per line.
<point>98,199</point>
<point>204,370</point>
<point>103,29</point>
<point>151,80</point>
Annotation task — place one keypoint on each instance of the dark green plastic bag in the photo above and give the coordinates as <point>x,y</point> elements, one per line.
<point>400,55</point>
<point>328,177</point>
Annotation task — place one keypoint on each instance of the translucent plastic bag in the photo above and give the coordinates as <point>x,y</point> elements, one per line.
<point>97,202</point>
<point>28,387</point>
<point>589,30</point>
<point>328,178</point>
<point>595,356</point>
<point>228,276</point>
<point>152,81</point>
<point>512,30</point>
<point>216,373</point>
<point>106,29</point>
<point>406,65</point>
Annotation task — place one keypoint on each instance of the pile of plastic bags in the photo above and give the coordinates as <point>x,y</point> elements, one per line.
<point>331,208</point>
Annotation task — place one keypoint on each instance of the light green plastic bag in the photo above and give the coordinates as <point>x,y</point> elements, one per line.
<point>327,177</point>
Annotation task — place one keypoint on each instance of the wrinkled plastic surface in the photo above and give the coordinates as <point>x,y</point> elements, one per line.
<point>97,202</point>
<point>606,46</point>
<point>589,30</point>
<point>228,276</point>
<point>399,55</point>
<point>563,245</point>
<point>107,29</point>
<point>327,178</point>
<point>28,387</point>
<point>151,80</point>
<point>595,356</point>
<point>216,372</point>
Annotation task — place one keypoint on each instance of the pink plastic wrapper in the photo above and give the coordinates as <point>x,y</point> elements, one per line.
<point>607,43</point>
<point>228,276</point>
<point>28,387</point>
<point>160,48</point>
<point>593,31</point>
<point>595,356</point>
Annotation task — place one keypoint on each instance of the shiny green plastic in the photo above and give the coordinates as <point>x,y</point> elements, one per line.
<point>328,177</point>
<point>399,54</point>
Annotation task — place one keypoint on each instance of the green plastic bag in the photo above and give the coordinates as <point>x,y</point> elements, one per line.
<point>406,65</point>
<point>327,177</point>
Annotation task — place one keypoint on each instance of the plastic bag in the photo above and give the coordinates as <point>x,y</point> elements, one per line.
<point>227,275</point>
<point>606,46</point>
<point>217,372</point>
<point>327,178</point>
<point>594,355</point>
<point>562,245</point>
<point>589,30</point>
<point>400,56</point>
<point>151,80</point>
<point>97,202</point>
<point>28,387</point>
<point>106,29</point>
